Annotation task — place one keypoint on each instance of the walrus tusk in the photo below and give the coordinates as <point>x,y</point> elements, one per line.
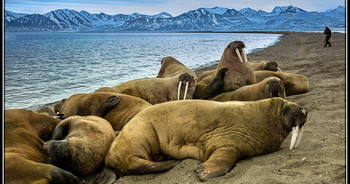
<point>300,134</point>
<point>278,68</point>
<point>186,90</point>
<point>239,55</point>
<point>178,90</point>
<point>295,132</point>
<point>244,55</point>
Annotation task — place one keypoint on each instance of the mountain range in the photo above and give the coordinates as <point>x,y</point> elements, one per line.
<point>281,18</point>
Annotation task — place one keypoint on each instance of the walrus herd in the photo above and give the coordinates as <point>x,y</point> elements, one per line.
<point>149,125</point>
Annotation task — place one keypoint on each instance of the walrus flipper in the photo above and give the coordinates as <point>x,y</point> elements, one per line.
<point>217,85</point>
<point>142,166</point>
<point>219,163</point>
<point>61,176</point>
<point>106,176</point>
<point>106,105</point>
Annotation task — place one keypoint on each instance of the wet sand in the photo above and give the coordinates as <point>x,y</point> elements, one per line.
<point>320,157</point>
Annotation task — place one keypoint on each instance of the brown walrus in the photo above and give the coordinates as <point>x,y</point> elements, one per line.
<point>265,65</point>
<point>85,104</point>
<point>217,133</point>
<point>80,143</point>
<point>171,67</point>
<point>268,88</point>
<point>157,90</point>
<point>256,65</point>
<point>25,160</point>
<point>294,83</point>
<point>232,72</point>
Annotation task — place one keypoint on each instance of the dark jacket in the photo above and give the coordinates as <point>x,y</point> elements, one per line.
<point>327,32</point>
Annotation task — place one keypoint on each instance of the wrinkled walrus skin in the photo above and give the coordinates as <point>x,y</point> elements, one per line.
<point>25,160</point>
<point>171,67</point>
<point>156,90</point>
<point>84,104</point>
<point>216,133</point>
<point>80,143</point>
<point>294,83</point>
<point>238,74</point>
<point>267,88</point>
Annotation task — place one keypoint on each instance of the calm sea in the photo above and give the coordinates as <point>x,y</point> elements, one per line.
<point>42,68</point>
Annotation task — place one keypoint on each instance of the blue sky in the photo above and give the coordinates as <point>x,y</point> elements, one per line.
<point>151,7</point>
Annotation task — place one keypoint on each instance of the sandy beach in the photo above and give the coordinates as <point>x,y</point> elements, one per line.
<point>321,155</point>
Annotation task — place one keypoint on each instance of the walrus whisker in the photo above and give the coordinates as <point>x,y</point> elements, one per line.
<point>178,90</point>
<point>239,55</point>
<point>244,55</point>
<point>278,68</point>
<point>295,132</point>
<point>186,90</point>
<point>300,134</point>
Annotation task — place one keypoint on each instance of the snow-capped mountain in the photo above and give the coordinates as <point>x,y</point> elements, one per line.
<point>281,18</point>
<point>32,22</point>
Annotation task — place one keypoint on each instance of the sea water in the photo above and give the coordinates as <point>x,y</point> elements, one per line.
<point>42,68</point>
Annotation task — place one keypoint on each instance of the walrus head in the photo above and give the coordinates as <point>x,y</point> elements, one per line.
<point>167,59</point>
<point>294,118</point>
<point>237,48</point>
<point>57,109</point>
<point>272,66</point>
<point>275,87</point>
<point>185,81</point>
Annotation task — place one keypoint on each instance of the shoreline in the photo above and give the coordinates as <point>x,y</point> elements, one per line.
<point>320,157</point>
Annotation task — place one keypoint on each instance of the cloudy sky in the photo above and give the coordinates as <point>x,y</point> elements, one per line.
<point>151,7</point>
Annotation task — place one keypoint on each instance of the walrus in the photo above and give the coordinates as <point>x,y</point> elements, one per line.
<point>171,67</point>
<point>157,90</point>
<point>265,65</point>
<point>267,88</point>
<point>25,160</point>
<point>237,73</point>
<point>256,65</point>
<point>293,83</point>
<point>84,104</point>
<point>79,144</point>
<point>216,133</point>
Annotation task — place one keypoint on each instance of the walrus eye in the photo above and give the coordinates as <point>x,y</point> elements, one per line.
<point>228,46</point>
<point>285,110</point>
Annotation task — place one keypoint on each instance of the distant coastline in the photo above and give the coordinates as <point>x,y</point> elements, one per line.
<point>280,19</point>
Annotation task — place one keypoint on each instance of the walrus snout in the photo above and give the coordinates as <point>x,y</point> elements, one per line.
<point>298,117</point>
<point>237,47</point>
<point>56,149</point>
<point>185,80</point>
<point>276,87</point>
<point>273,66</point>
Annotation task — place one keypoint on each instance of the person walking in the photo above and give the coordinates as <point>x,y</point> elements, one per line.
<point>328,34</point>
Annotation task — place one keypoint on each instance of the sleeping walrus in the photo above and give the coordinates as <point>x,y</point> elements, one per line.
<point>294,83</point>
<point>157,90</point>
<point>84,104</point>
<point>265,65</point>
<point>268,88</point>
<point>80,143</point>
<point>216,133</point>
<point>237,73</point>
<point>25,160</point>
